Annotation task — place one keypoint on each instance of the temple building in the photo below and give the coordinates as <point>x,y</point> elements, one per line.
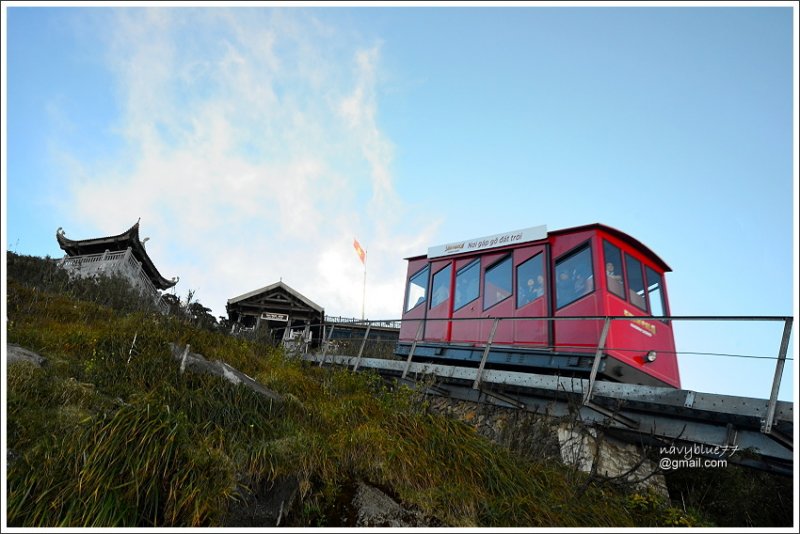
<point>122,254</point>
<point>294,320</point>
<point>288,315</point>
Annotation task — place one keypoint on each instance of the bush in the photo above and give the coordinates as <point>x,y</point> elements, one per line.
<point>46,276</point>
<point>736,496</point>
<point>651,509</point>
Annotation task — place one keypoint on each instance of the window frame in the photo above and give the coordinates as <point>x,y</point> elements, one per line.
<point>541,257</point>
<point>661,292</point>
<point>641,263</point>
<point>475,263</point>
<point>427,286</point>
<point>507,258</point>
<point>574,251</point>
<point>624,295</point>
<point>431,305</point>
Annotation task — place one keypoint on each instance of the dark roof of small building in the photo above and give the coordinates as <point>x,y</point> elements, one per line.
<point>116,243</point>
<point>274,297</point>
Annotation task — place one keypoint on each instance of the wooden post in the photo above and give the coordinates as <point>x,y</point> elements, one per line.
<point>776,381</point>
<point>413,348</point>
<point>587,397</point>
<point>477,383</point>
<point>361,350</point>
<point>325,345</point>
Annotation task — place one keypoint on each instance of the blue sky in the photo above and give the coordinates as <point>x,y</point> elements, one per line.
<point>256,142</point>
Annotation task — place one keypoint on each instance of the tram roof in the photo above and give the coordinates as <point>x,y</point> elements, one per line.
<point>619,234</point>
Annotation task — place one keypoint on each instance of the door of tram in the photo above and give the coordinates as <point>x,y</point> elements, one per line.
<point>440,309</point>
<point>531,295</point>
<point>576,295</point>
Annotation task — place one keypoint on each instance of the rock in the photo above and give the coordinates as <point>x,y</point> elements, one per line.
<point>268,506</point>
<point>536,435</point>
<point>587,450</point>
<point>376,509</point>
<point>197,363</point>
<point>15,353</point>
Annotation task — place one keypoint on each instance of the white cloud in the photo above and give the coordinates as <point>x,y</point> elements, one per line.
<point>256,156</point>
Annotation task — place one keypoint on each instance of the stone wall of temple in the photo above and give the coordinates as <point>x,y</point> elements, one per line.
<point>109,263</point>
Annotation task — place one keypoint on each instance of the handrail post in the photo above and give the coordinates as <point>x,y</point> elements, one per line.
<point>766,427</point>
<point>326,343</point>
<point>361,350</point>
<point>477,383</point>
<point>587,397</point>
<point>413,348</point>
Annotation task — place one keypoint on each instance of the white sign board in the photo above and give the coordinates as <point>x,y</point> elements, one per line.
<point>534,233</point>
<point>275,317</point>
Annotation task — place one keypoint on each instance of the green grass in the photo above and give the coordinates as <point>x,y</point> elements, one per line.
<point>110,433</point>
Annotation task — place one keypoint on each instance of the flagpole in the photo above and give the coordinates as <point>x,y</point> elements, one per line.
<point>362,255</point>
<point>364,292</point>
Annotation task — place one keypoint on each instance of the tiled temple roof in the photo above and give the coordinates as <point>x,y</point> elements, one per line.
<point>115,243</point>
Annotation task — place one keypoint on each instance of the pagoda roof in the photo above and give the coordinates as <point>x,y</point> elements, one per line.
<point>116,243</point>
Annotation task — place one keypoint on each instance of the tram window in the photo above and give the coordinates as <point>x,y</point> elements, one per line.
<point>613,258</point>
<point>574,276</point>
<point>497,284</point>
<point>467,284</point>
<point>417,289</point>
<point>530,281</point>
<point>635,282</point>
<point>440,289</point>
<point>655,292</point>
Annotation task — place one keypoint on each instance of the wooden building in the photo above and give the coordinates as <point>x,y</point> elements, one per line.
<point>281,310</point>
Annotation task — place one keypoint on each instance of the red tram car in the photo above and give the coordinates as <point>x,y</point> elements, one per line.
<point>542,285</point>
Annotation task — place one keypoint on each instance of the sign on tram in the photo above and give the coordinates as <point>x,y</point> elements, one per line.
<point>516,237</point>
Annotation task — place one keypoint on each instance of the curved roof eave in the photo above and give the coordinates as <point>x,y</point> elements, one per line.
<point>128,238</point>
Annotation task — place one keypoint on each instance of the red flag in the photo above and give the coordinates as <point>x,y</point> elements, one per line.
<point>360,251</point>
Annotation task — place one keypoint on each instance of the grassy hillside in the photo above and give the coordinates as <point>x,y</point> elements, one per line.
<point>110,433</point>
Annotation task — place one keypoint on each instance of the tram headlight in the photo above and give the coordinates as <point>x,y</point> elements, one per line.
<point>650,357</point>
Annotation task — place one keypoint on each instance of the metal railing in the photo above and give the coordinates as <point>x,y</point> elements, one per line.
<point>328,344</point>
<point>390,323</point>
<point>79,261</point>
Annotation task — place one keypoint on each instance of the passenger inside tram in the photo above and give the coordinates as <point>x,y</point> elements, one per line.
<point>534,288</point>
<point>565,287</point>
<point>539,290</point>
<point>614,280</point>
